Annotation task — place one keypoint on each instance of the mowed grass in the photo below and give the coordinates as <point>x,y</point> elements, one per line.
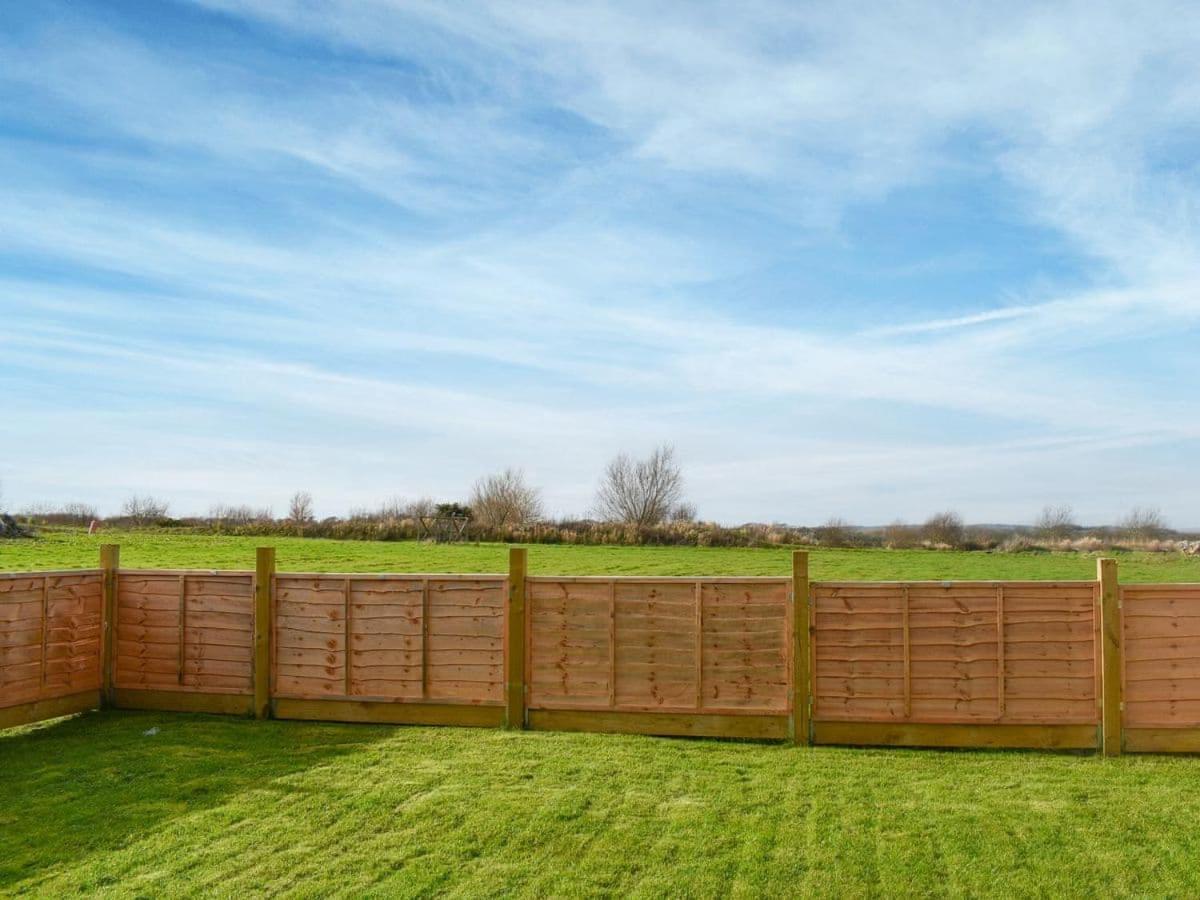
<point>157,804</point>
<point>162,549</point>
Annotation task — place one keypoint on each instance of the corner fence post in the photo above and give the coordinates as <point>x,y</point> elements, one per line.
<point>264,571</point>
<point>514,639</point>
<point>1110,655</point>
<point>798,722</point>
<point>110,562</point>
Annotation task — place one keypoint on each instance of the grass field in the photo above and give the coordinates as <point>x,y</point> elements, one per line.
<point>165,550</point>
<point>231,807</point>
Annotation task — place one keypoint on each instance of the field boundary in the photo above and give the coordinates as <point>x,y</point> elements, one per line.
<point>1063,665</point>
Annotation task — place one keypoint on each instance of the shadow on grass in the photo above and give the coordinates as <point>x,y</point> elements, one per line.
<point>100,781</point>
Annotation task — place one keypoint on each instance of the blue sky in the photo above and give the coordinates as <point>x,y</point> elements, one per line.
<point>851,260</point>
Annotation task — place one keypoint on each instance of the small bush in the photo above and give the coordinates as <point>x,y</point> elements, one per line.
<point>944,530</point>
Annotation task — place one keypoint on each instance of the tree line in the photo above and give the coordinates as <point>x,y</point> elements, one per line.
<point>638,500</point>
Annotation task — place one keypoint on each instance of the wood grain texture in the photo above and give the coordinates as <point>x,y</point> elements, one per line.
<point>263,587</point>
<point>400,638</point>
<point>799,621</point>
<point>390,713</point>
<point>690,724</point>
<point>1110,655</point>
<point>517,612</point>
<point>51,636</point>
<point>184,701</point>
<point>206,619</point>
<point>659,644</point>
<point>908,734</point>
<point>1161,661</point>
<point>955,652</point>
<point>110,562</point>
<point>1161,740</point>
<point>50,708</point>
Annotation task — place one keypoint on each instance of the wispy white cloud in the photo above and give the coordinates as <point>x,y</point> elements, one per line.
<point>437,280</point>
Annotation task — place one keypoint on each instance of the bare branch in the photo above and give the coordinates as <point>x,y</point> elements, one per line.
<point>640,492</point>
<point>944,529</point>
<point>300,508</point>
<point>1056,523</point>
<point>1144,523</point>
<point>505,499</point>
<point>145,510</point>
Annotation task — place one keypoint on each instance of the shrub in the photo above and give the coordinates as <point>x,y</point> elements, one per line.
<point>1056,523</point>
<point>1143,524</point>
<point>944,529</point>
<point>141,511</point>
<point>505,499</point>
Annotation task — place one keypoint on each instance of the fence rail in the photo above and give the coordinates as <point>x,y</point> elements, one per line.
<point>1066,664</point>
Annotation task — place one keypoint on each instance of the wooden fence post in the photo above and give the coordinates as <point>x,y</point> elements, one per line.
<point>264,571</point>
<point>798,723</point>
<point>514,639</point>
<point>110,562</point>
<point>1110,655</point>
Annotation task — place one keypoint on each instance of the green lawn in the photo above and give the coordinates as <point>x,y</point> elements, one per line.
<point>166,550</point>
<point>233,807</point>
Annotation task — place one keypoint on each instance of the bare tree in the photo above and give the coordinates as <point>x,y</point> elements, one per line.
<point>505,499</point>
<point>388,512</point>
<point>392,510</point>
<point>684,512</point>
<point>144,510</point>
<point>1056,523</point>
<point>1144,523</point>
<point>835,532</point>
<point>944,529</point>
<point>67,514</point>
<point>900,534</point>
<point>79,513</point>
<point>640,492</point>
<point>421,507</point>
<point>300,508</point>
<point>239,515</point>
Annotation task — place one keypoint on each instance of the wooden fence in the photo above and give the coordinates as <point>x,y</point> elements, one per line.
<point>1019,658</point>
<point>50,634</point>
<point>1072,665</point>
<point>702,655</point>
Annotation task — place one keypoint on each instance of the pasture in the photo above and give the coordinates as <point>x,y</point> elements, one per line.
<point>164,549</point>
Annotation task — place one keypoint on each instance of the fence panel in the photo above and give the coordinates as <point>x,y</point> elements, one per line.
<point>394,638</point>
<point>183,640</point>
<point>699,646</point>
<point>50,632</point>
<point>955,653</point>
<point>184,632</point>
<point>1161,677</point>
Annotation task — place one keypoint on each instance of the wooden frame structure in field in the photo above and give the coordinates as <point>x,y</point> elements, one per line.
<point>1064,665</point>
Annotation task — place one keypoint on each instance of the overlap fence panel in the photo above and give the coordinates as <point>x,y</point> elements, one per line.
<point>1161,678</point>
<point>955,653</point>
<point>184,632</point>
<point>680,646</point>
<point>50,639</point>
<point>415,639</point>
